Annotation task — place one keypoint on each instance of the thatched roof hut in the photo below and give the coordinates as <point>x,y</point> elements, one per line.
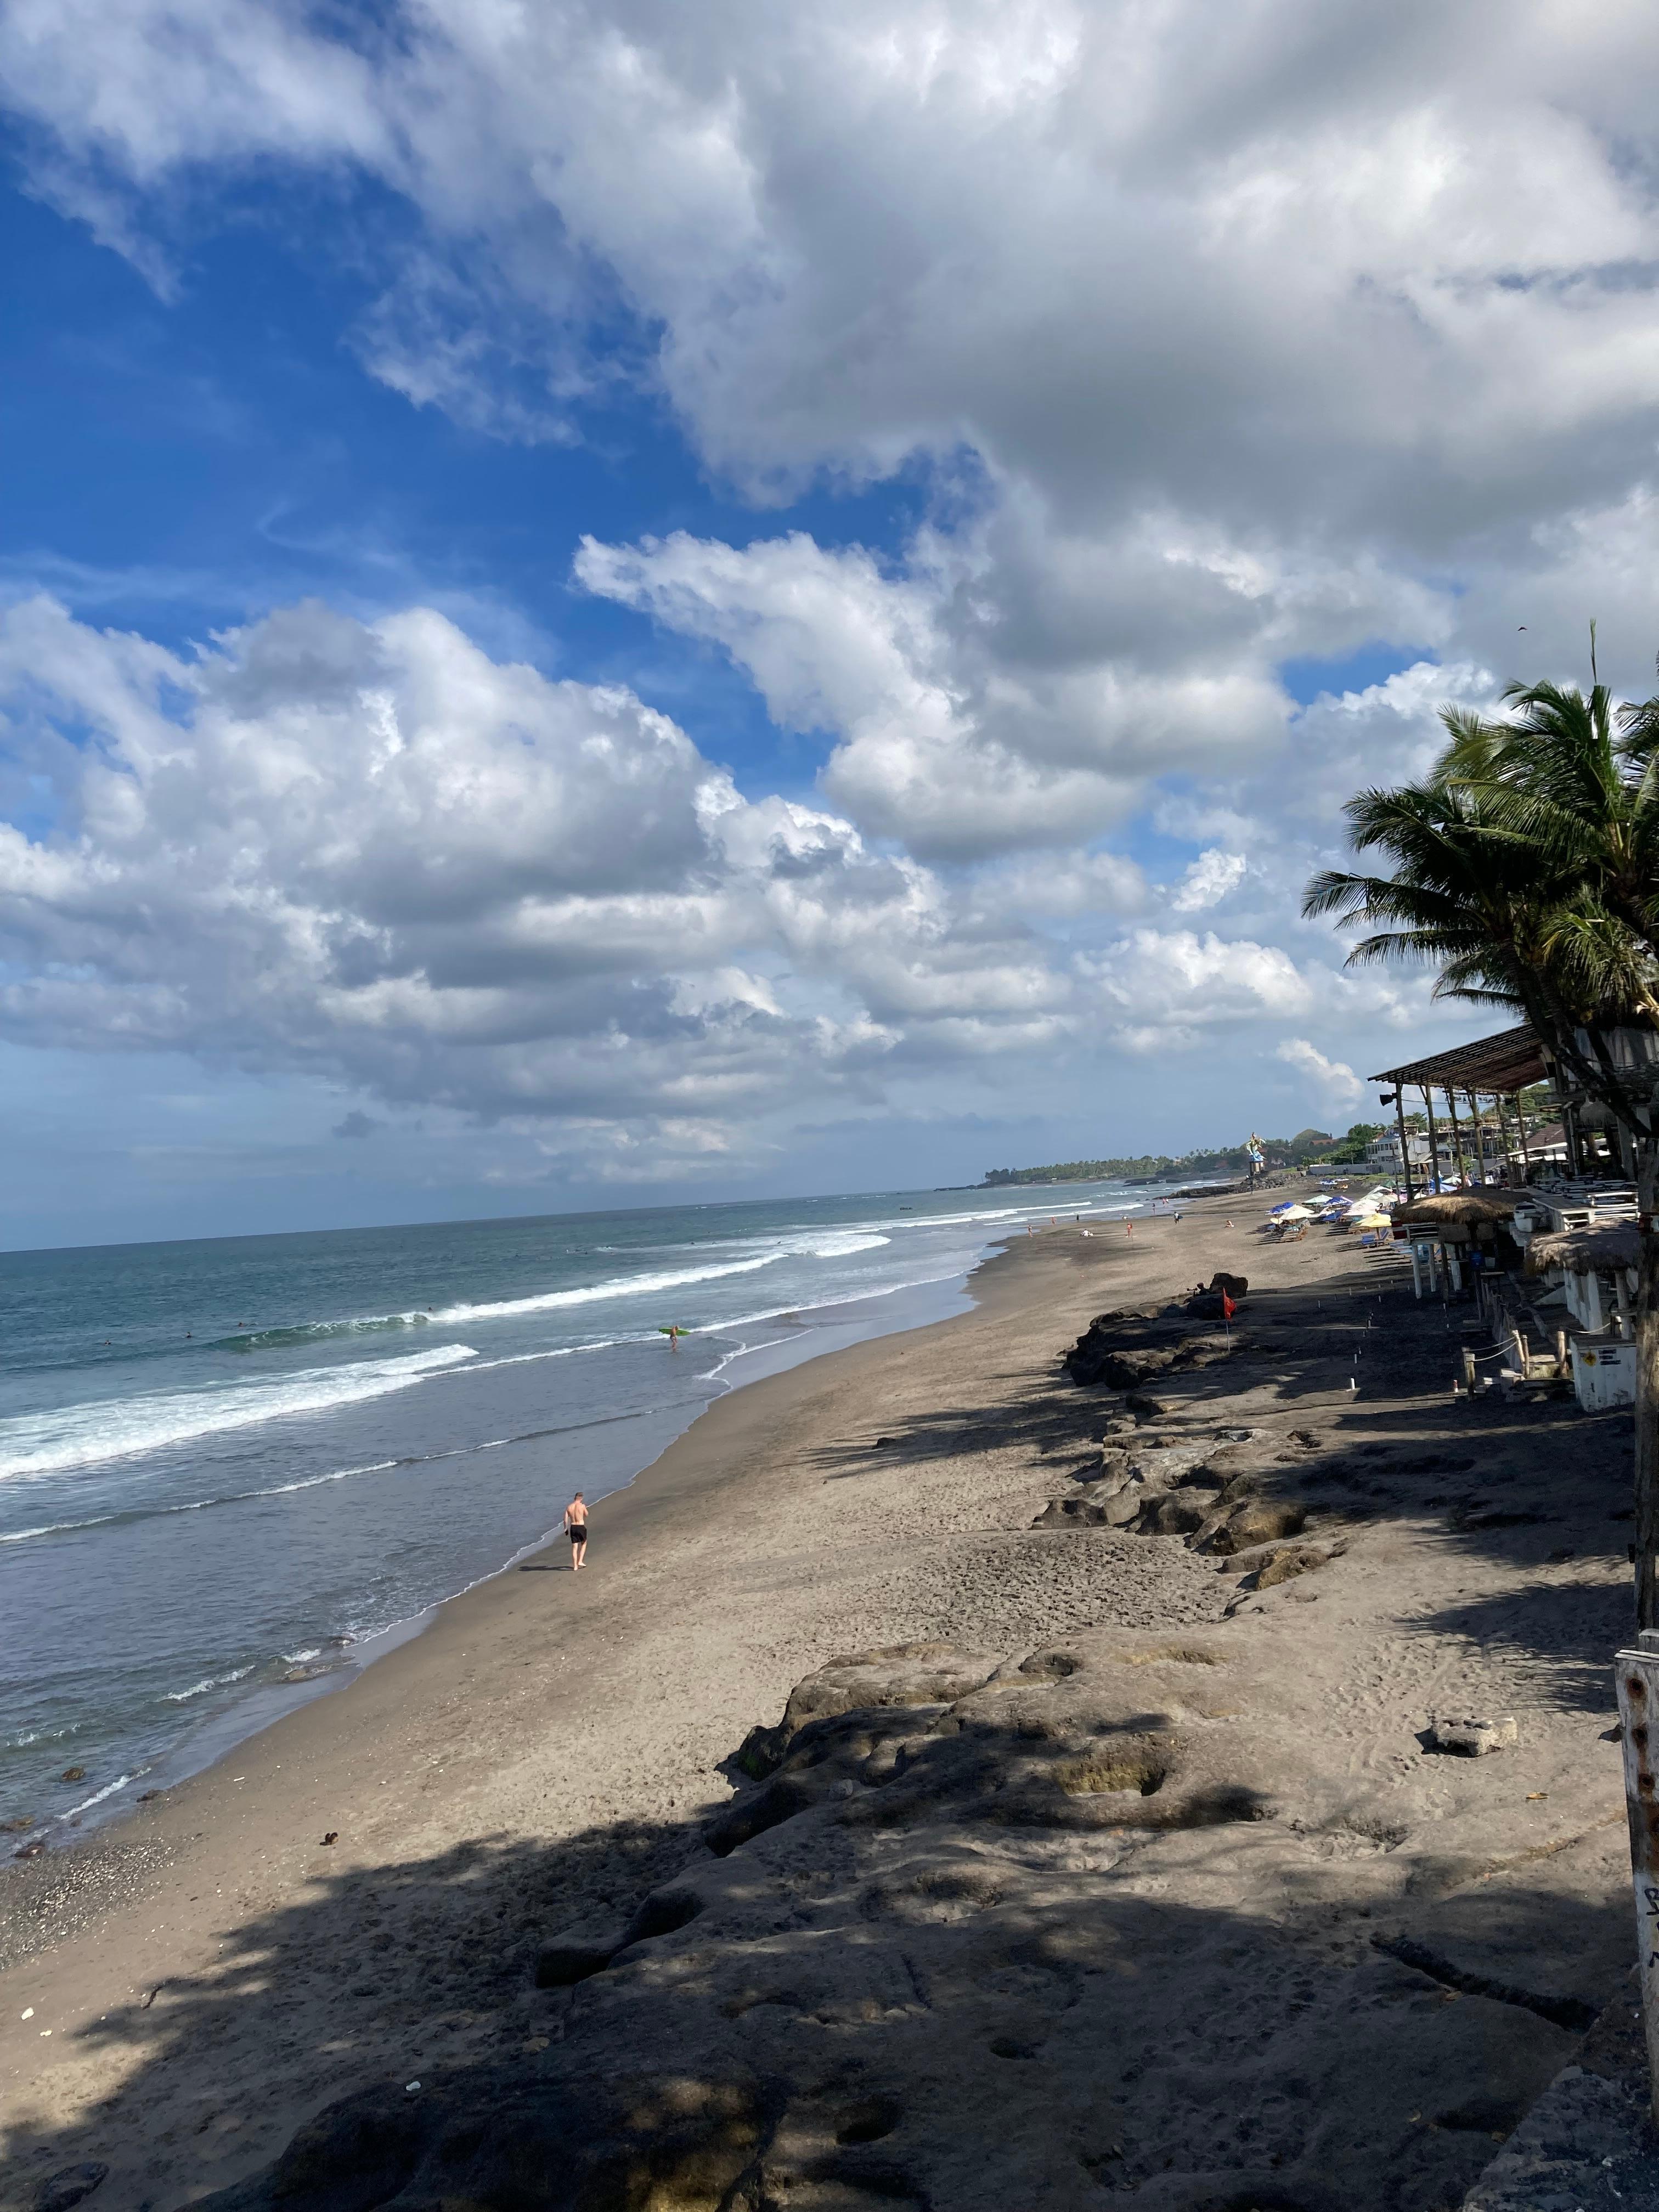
<point>1587,1251</point>
<point>1465,1209</point>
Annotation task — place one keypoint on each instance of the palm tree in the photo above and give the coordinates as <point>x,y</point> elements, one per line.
<point>1507,922</point>
<point>1525,868</point>
<point>1577,782</point>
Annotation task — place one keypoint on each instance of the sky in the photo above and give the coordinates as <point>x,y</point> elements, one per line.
<point>612,604</point>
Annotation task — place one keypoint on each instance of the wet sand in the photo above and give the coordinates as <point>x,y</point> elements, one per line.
<point>213,1974</point>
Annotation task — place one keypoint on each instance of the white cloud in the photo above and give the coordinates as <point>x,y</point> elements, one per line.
<point>1209,880</point>
<point>1103,241</point>
<point>835,645</point>
<point>940,739</point>
<point>1266,338</point>
<point>1334,1079</point>
<point>370,851</point>
<point>1174,984</point>
<point>1214,341</point>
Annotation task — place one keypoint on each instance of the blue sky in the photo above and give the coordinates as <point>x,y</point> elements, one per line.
<point>791,614</point>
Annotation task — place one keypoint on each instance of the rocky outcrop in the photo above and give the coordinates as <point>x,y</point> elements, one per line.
<point>1467,1738</point>
<point>1125,1349</point>
<point>943,1953</point>
<point>907,1675</point>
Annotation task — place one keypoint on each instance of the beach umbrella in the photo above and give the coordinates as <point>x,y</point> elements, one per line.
<point>1294,1212</point>
<point>1370,1221</point>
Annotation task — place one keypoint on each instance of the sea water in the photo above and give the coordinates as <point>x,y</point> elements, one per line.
<point>233,1470</point>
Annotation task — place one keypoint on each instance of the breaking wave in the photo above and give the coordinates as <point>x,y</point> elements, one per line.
<point>117,1428</point>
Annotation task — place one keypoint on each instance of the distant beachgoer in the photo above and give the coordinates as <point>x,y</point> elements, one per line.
<point>1128,1229</point>
<point>575,1526</point>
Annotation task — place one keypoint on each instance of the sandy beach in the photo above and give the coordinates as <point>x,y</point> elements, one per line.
<point>1302,1952</point>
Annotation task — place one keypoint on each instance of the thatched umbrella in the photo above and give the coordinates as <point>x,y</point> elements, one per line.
<point>1587,1251</point>
<point>1464,1209</point>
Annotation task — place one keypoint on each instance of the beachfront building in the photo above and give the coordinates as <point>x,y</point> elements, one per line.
<point>1383,1155</point>
<point>1486,1101</point>
<point>1547,1147</point>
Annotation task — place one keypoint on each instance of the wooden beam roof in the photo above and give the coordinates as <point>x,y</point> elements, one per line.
<point>1508,1062</point>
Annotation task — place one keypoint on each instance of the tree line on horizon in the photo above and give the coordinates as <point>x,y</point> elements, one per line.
<point>1308,1144</point>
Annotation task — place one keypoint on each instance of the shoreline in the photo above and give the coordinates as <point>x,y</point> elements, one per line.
<point>235,1742</point>
<point>362,1894</point>
<point>226,1733</point>
<point>23,1873</point>
<point>222,1735</point>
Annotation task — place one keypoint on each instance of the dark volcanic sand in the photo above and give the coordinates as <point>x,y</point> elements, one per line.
<point>1135,1883</point>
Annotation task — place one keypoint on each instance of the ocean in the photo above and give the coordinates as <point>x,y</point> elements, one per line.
<point>234,1471</point>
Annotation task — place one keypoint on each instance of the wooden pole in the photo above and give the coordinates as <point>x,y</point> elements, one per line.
<point>1480,1140</point>
<point>1404,1146</point>
<point>1575,1150</point>
<point>1637,1674</point>
<point>1503,1133</point>
<point>1457,1134</point>
<point>1434,1141</point>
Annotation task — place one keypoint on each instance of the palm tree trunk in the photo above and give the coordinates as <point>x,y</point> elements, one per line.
<point>1646,1326</point>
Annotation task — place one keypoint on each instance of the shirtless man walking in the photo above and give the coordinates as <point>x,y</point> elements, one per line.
<point>575,1526</point>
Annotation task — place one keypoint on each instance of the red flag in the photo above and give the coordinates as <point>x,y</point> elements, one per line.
<point>1228,1306</point>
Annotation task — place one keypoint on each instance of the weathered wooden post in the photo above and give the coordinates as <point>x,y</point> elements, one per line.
<point>1405,1142</point>
<point>1457,1135</point>
<point>1434,1140</point>
<point>1637,1675</point>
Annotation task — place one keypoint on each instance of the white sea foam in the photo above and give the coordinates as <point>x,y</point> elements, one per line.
<point>814,1243</point>
<point>116,1428</point>
<point>957,1264</point>
<point>198,1505</point>
<point>209,1682</point>
<point>122,1782</point>
<point>829,1242</point>
<point>621,1287</point>
<point>54,1529</point>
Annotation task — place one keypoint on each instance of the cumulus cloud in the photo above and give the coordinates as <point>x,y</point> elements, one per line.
<point>1210,877</point>
<point>371,852</point>
<point>1076,226</point>
<point>1117,245</point>
<point>1265,339</point>
<point>1334,1079</point>
<point>1215,345</point>
<point>835,646</point>
<point>368,850</point>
